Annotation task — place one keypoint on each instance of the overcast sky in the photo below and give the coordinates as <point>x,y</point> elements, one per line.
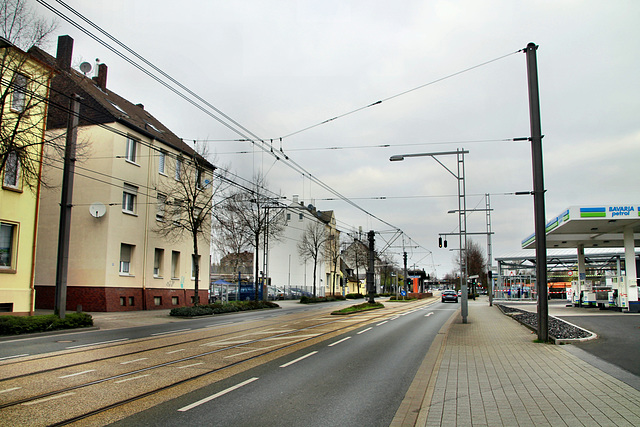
<point>278,67</point>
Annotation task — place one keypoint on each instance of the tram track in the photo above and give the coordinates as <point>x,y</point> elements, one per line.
<point>210,363</point>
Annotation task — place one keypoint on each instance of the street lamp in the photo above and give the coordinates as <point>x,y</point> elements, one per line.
<point>462,209</point>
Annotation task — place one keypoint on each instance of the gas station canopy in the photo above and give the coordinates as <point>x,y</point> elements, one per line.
<point>592,227</point>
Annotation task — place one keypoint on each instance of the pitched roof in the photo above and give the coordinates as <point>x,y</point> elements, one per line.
<point>101,105</point>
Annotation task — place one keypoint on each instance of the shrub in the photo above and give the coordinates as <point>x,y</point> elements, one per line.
<point>358,308</point>
<point>218,308</point>
<point>15,325</point>
<point>354,296</point>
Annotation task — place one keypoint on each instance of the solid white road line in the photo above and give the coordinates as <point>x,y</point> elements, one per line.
<point>214,396</point>
<point>10,389</point>
<point>364,330</point>
<point>298,359</point>
<point>77,373</point>
<point>338,342</point>
<point>193,364</point>
<point>13,357</point>
<point>97,343</point>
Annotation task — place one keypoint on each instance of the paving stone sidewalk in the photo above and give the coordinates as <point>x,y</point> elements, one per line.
<point>489,372</point>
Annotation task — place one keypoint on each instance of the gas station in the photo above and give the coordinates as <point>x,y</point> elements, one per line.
<point>605,226</point>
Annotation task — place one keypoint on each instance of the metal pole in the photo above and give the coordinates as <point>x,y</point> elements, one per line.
<point>64,231</point>
<point>370,275</point>
<point>462,238</point>
<point>489,251</point>
<point>538,193</point>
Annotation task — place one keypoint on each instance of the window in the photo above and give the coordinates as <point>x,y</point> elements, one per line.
<point>193,265</point>
<point>300,216</point>
<point>125,259</point>
<point>129,195</point>
<point>132,150</point>
<point>175,301</point>
<point>131,300</point>
<point>8,235</point>
<point>123,301</point>
<point>18,98</point>
<point>198,178</point>
<point>175,264</point>
<point>157,300</point>
<point>11,170</point>
<point>161,203</point>
<point>161,158</point>
<point>178,168</point>
<point>157,262</point>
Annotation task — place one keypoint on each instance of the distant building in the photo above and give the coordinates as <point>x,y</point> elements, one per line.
<point>23,93</point>
<point>127,157</point>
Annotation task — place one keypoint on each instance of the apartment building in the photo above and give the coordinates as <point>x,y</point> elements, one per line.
<point>126,190</point>
<point>24,88</point>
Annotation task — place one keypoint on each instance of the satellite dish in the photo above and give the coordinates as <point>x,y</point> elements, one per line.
<point>97,210</point>
<point>85,67</point>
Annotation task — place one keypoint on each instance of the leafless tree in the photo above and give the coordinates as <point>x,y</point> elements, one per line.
<point>311,247</point>
<point>23,93</point>
<point>357,255</point>
<point>255,214</point>
<point>332,248</point>
<point>476,261</point>
<point>187,203</point>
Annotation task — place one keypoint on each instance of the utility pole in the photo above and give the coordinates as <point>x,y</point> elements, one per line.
<point>406,274</point>
<point>538,192</point>
<point>64,228</point>
<point>370,285</point>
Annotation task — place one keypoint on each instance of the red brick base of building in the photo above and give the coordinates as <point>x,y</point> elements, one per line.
<point>87,298</point>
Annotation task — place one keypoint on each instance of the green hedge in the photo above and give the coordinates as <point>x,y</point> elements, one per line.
<point>218,308</point>
<point>312,300</point>
<point>358,308</point>
<point>354,296</point>
<point>15,325</point>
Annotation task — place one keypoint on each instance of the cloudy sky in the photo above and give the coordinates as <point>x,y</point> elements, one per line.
<point>280,67</point>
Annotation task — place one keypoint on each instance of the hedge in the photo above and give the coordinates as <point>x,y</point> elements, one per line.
<point>218,308</point>
<point>312,300</point>
<point>15,325</point>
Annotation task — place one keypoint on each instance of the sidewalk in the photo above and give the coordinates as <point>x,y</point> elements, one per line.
<point>489,372</point>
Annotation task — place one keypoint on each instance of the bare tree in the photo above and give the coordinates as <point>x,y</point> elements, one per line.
<point>23,93</point>
<point>311,247</point>
<point>186,205</point>
<point>333,256</point>
<point>256,215</point>
<point>20,25</point>
<point>357,255</point>
<point>476,261</point>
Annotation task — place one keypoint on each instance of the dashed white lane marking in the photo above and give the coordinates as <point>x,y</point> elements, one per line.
<point>364,330</point>
<point>77,373</point>
<point>175,351</point>
<point>338,342</point>
<point>170,332</point>
<point>298,359</point>
<point>133,361</point>
<point>132,378</point>
<point>10,389</point>
<point>214,396</point>
<point>97,343</point>
<point>382,323</point>
<point>189,366</point>
<point>46,399</point>
<point>428,314</point>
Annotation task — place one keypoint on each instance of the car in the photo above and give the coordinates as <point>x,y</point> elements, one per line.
<point>449,295</point>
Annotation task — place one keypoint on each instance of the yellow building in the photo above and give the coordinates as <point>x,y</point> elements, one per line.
<point>128,177</point>
<point>24,89</point>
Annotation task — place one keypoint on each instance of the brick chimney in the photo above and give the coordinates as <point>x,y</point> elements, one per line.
<point>101,78</point>
<point>64,53</point>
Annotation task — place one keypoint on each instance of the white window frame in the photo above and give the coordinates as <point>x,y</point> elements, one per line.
<point>161,207</point>
<point>8,246</point>
<point>175,264</point>
<point>178,168</point>
<point>131,150</point>
<point>19,94</point>
<point>126,254</point>
<point>158,258</point>
<point>11,177</point>
<point>129,196</point>
<point>162,157</point>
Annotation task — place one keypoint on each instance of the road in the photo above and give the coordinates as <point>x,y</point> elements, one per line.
<point>267,364</point>
<point>358,378</point>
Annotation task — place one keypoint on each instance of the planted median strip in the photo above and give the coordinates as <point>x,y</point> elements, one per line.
<point>358,308</point>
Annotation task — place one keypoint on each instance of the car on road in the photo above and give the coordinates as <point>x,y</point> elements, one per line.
<point>449,295</point>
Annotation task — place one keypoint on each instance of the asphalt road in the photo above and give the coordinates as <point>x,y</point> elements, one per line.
<point>359,378</point>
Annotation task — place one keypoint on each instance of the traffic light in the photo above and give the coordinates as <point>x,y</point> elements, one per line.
<point>440,242</point>
<point>445,243</point>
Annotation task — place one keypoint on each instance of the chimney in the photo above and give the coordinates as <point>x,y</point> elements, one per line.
<point>101,79</point>
<point>295,198</point>
<point>63,55</point>
<point>140,106</point>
